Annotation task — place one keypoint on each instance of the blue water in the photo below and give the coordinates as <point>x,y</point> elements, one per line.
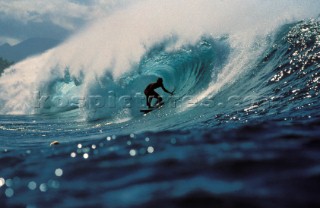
<point>251,141</point>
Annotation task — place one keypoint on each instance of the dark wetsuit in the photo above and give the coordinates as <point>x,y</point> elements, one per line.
<point>150,93</point>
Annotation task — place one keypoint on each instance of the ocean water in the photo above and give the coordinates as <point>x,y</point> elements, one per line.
<point>242,129</point>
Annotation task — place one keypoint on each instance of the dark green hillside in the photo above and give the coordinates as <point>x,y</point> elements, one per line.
<point>4,64</point>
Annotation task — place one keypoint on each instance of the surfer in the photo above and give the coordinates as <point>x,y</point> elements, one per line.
<point>150,93</point>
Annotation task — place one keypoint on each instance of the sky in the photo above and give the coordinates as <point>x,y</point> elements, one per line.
<point>57,19</point>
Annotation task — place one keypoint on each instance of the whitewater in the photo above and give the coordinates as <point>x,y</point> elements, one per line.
<point>242,128</point>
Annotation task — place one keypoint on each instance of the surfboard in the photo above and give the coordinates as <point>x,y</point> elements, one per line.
<point>145,111</point>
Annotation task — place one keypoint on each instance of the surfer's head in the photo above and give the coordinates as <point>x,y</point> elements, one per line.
<point>160,80</point>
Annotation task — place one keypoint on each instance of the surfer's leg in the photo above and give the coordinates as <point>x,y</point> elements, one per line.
<point>152,95</point>
<point>149,100</point>
<point>159,98</point>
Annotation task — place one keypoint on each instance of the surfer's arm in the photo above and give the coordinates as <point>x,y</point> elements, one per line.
<point>164,89</point>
